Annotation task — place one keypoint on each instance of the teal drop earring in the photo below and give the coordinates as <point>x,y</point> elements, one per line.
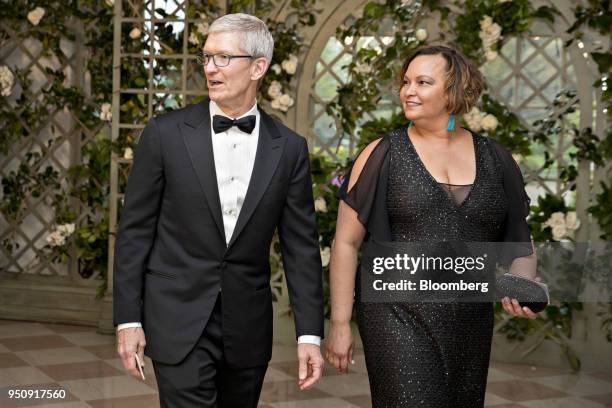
<point>451,123</point>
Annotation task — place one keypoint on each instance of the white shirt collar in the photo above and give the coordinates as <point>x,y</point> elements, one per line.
<point>216,110</point>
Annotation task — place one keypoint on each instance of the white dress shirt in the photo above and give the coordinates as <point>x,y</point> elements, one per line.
<point>234,152</point>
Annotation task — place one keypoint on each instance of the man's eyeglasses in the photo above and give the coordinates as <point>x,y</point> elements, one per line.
<point>220,60</point>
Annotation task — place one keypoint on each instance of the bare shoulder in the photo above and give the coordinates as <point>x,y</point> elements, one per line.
<point>361,160</point>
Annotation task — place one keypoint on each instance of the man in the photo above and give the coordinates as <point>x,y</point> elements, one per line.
<point>209,186</point>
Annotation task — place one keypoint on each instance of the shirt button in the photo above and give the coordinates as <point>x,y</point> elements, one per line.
<point>231,179</point>
<point>235,145</point>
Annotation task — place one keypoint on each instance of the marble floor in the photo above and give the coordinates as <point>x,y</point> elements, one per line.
<point>82,366</point>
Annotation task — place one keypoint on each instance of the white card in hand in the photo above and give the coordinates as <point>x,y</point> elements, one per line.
<point>139,365</point>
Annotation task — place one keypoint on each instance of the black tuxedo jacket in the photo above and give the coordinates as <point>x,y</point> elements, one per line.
<point>171,256</point>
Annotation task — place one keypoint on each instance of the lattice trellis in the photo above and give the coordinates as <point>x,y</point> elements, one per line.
<point>529,73</point>
<point>331,72</point>
<point>526,77</point>
<point>59,140</point>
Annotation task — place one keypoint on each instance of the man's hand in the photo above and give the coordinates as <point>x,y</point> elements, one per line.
<point>310,365</point>
<point>131,341</point>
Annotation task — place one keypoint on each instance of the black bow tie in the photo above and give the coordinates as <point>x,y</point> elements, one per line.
<point>223,123</point>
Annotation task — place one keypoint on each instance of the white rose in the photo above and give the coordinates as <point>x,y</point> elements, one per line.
<point>290,64</point>
<point>491,55</point>
<point>275,104</point>
<point>556,219</point>
<point>362,68</point>
<point>135,33</point>
<point>474,119</point>
<point>55,239</point>
<point>276,68</point>
<point>128,153</point>
<point>105,112</point>
<point>320,205</point>
<point>275,90</point>
<point>65,229</point>
<point>193,38</point>
<point>486,22</point>
<point>490,35</point>
<point>517,157</point>
<point>61,240</point>
<point>488,40</point>
<point>421,34</point>
<point>202,28</point>
<point>7,79</point>
<point>36,15</point>
<point>494,30</point>
<point>571,221</point>
<point>489,122</point>
<point>559,232</point>
<point>286,101</point>
<point>110,3</point>
<point>325,256</point>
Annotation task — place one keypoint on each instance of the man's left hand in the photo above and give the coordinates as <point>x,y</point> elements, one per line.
<point>310,365</point>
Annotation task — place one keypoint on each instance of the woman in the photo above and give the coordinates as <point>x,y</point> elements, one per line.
<point>430,181</point>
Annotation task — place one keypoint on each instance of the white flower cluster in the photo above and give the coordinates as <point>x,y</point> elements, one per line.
<point>128,153</point>
<point>320,205</point>
<point>325,256</point>
<point>490,33</point>
<point>421,34</point>
<point>6,80</point>
<point>280,101</point>
<point>561,224</point>
<point>477,120</point>
<point>135,33</point>
<point>36,15</point>
<point>200,28</point>
<point>203,26</point>
<point>58,237</point>
<point>105,112</point>
<point>362,68</point>
<point>290,64</point>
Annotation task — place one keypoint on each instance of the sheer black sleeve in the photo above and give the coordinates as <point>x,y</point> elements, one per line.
<point>516,230</point>
<point>363,197</point>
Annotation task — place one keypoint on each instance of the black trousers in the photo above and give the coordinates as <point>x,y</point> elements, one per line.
<point>204,379</point>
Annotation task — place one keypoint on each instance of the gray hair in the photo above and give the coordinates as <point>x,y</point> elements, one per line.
<point>256,39</point>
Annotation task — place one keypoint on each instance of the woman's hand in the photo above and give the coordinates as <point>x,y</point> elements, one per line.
<point>339,346</point>
<point>513,308</point>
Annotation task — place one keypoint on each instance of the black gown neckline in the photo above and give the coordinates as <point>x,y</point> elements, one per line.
<point>448,196</point>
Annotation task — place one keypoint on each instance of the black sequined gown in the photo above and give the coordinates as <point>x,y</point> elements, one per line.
<point>433,354</point>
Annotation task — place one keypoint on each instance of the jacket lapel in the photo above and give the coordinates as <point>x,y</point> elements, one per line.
<point>269,151</point>
<point>198,140</point>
